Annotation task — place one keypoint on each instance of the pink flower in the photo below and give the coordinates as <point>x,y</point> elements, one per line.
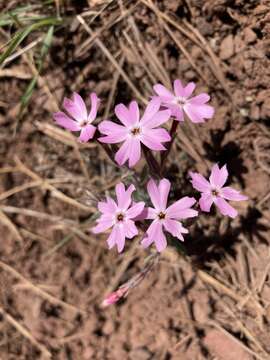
<point>180,102</point>
<point>166,218</point>
<point>78,120</point>
<point>120,216</point>
<point>135,131</point>
<point>214,192</point>
<point>115,296</point>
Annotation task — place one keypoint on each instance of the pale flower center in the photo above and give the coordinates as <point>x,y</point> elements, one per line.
<point>83,123</point>
<point>161,215</point>
<point>215,192</point>
<point>120,217</point>
<point>135,131</point>
<point>180,100</point>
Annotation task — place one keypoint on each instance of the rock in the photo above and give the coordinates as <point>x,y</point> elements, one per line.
<point>249,36</point>
<point>261,9</point>
<point>265,109</point>
<point>227,48</point>
<point>108,327</point>
<point>204,27</point>
<point>223,347</point>
<point>255,112</point>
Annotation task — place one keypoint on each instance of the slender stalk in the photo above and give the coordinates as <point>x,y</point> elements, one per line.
<point>152,163</point>
<point>166,153</point>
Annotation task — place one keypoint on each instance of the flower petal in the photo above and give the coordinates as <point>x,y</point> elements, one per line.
<point>177,210</point>
<point>206,202</point>
<point>123,196</point>
<point>122,154</point>
<point>153,192</point>
<point>225,208</point>
<point>151,213</point>
<point>175,228</point>
<point>115,133</point>
<point>134,151</point>
<point>199,99</point>
<point>80,104</point>
<point>198,113</point>
<point>124,115</point>
<point>102,226</point>
<point>120,241</point>
<point>164,189</point>
<point>74,109</point>
<point>178,88</point>
<point>153,138</point>
<point>218,176</point>
<point>95,101</point>
<point>199,182</point>
<point>134,112</point>
<point>66,122</point>
<point>163,92</point>
<point>189,89</point>
<point>108,206</point>
<point>157,119</point>
<point>117,237</point>
<point>156,234</point>
<point>87,133</point>
<point>232,194</point>
<point>135,210</point>
<point>111,241</point>
<point>130,229</point>
<point>177,112</point>
<point>151,109</point>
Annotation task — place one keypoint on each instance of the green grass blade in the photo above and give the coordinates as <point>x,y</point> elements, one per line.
<point>43,52</point>
<point>22,34</point>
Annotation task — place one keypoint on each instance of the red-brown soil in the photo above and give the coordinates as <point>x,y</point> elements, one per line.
<point>212,304</point>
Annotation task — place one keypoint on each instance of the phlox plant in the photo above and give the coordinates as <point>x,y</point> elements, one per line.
<point>142,133</point>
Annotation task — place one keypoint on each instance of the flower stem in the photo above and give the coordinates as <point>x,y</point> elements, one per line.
<point>165,154</point>
<point>152,163</point>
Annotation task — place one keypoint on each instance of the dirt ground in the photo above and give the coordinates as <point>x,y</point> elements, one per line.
<point>214,303</point>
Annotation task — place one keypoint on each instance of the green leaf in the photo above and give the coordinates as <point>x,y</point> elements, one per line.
<point>22,34</point>
<point>43,52</point>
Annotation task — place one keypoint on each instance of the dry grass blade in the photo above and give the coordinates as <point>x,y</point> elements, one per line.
<point>9,224</point>
<point>226,290</point>
<point>27,186</point>
<point>63,136</point>
<point>113,89</point>
<point>113,61</point>
<point>185,52</point>
<point>25,333</point>
<point>52,299</point>
<point>172,35</point>
<point>37,214</point>
<point>230,336</point>
<point>56,193</point>
<point>86,45</point>
<point>216,68</point>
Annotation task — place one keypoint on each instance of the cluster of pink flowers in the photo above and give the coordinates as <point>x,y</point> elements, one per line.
<point>135,131</point>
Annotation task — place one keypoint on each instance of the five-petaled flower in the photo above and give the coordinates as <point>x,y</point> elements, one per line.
<point>214,192</point>
<point>180,102</point>
<point>120,216</point>
<point>79,120</point>
<point>135,131</point>
<point>166,218</point>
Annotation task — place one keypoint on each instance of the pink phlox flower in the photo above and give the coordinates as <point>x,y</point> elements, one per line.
<point>181,102</point>
<point>119,216</point>
<point>136,130</point>
<point>166,218</point>
<point>214,192</point>
<point>79,119</point>
<point>115,296</point>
